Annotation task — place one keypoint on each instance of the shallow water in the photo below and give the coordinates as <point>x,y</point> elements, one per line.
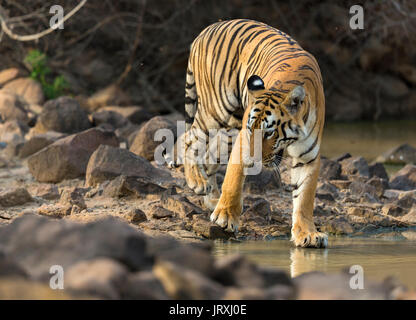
<point>379,258</point>
<point>367,139</point>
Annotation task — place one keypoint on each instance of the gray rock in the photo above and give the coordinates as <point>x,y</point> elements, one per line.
<point>404,179</point>
<point>100,277</point>
<point>330,170</point>
<point>235,270</point>
<point>36,243</point>
<point>14,197</point>
<point>402,154</point>
<point>377,170</point>
<point>107,163</point>
<point>355,166</point>
<point>67,158</point>
<point>144,144</point>
<point>182,283</point>
<point>38,142</point>
<point>144,286</point>
<point>134,114</point>
<point>64,115</point>
<point>262,182</point>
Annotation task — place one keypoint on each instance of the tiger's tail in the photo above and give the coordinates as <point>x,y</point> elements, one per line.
<point>190,99</point>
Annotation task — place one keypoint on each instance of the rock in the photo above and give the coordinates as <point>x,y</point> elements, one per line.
<point>327,191</point>
<point>45,191</point>
<point>158,212</point>
<point>180,205</point>
<point>330,170</point>
<point>8,75</point>
<point>209,230</point>
<point>341,184</point>
<point>12,107</point>
<point>9,268</point>
<point>392,209</point>
<point>67,158</point>
<point>115,119</point>
<point>55,210</point>
<point>236,270</point>
<point>135,216</point>
<point>273,277</point>
<point>109,96</point>
<point>29,89</point>
<point>123,186</point>
<point>13,131</point>
<point>38,142</point>
<point>36,243</point>
<point>182,283</point>
<point>74,198</point>
<point>107,163</point>
<point>321,286</point>
<point>14,197</point>
<point>245,293</point>
<point>360,212</point>
<point>406,200</point>
<point>379,184</point>
<point>404,179</point>
<point>402,154</point>
<point>410,217</point>
<point>377,170</point>
<point>259,211</point>
<point>261,182</point>
<point>100,277</point>
<point>355,166</point>
<point>134,114</point>
<point>64,115</point>
<point>360,188</point>
<point>144,144</point>
<point>24,289</point>
<point>143,286</point>
<point>338,226</point>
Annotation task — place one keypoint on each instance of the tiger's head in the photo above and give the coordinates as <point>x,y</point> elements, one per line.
<point>277,115</point>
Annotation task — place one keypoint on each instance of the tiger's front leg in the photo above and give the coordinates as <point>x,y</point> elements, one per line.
<point>230,205</point>
<point>304,179</point>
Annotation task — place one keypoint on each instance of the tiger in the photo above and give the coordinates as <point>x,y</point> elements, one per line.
<point>246,75</point>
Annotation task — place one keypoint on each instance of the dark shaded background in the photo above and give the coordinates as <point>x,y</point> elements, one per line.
<point>143,47</point>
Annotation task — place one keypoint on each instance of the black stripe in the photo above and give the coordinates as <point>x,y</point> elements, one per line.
<point>310,148</point>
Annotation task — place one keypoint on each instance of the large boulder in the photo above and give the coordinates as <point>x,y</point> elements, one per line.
<point>8,75</point>
<point>62,115</point>
<point>144,144</point>
<point>28,88</point>
<point>402,154</point>
<point>404,179</point>
<point>37,243</point>
<point>38,142</point>
<point>107,163</point>
<point>12,107</point>
<point>67,158</point>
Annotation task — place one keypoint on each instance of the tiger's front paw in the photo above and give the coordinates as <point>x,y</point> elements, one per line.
<point>309,239</point>
<point>196,180</point>
<point>226,217</point>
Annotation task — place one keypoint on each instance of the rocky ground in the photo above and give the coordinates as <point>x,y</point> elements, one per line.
<point>82,161</point>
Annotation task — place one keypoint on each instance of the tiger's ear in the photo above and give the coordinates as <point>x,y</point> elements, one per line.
<point>255,86</point>
<point>294,99</point>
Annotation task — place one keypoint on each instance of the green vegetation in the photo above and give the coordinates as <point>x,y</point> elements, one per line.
<point>37,62</point>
